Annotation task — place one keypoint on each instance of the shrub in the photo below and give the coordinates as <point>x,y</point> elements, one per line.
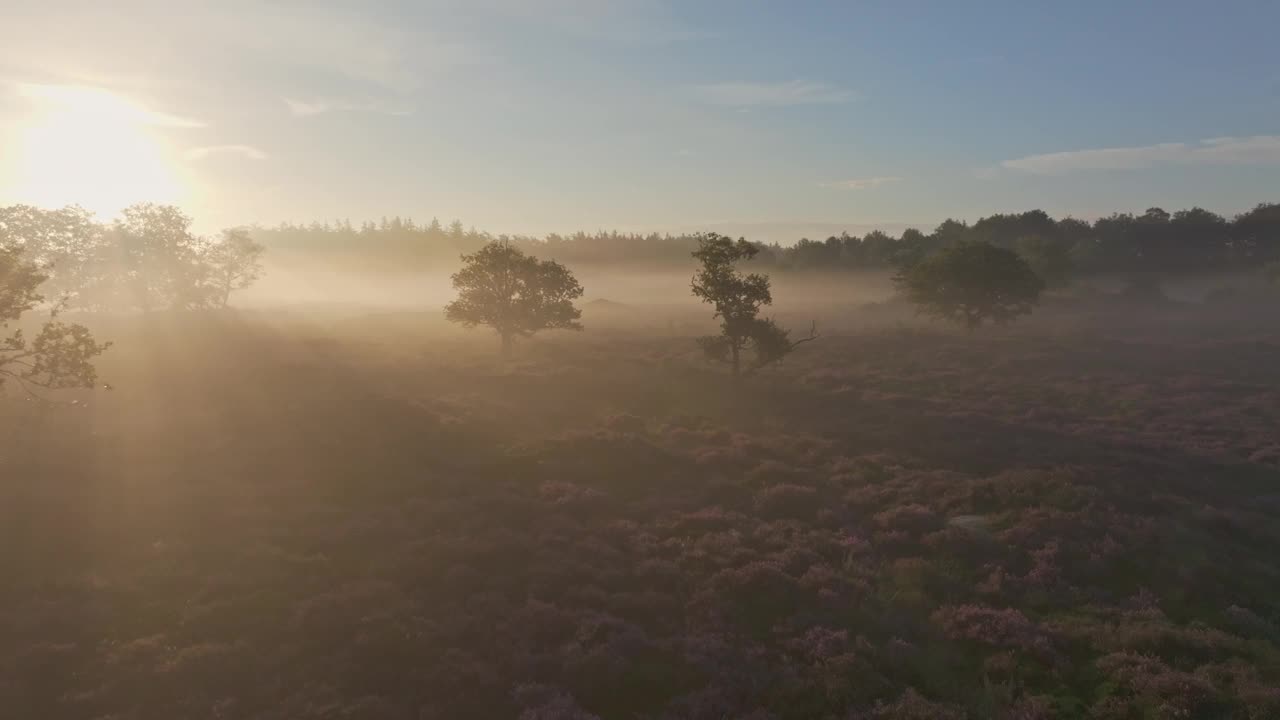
<point>914,519</point>
<point>755,596</point>
<point>1007,628</point>
<point>788,502</point>
<point>911,706</point>
<point>546,703</point>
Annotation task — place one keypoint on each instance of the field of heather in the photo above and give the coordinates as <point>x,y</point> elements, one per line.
<point>314,515</point>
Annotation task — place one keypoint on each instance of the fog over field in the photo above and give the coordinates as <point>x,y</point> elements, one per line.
<point>978,472</point>
<point>310,285</point>
<point>639,360</point>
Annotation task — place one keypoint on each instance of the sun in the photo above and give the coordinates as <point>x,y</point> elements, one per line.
<point>90,147</point>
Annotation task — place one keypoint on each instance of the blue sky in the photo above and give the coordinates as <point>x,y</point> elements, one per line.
<point>555,115</point>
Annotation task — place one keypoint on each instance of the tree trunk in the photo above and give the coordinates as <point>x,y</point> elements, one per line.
<point>737,365</point>
<point>507,342</point>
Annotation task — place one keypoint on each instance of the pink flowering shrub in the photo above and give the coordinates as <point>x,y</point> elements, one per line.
<point>1007,628</point>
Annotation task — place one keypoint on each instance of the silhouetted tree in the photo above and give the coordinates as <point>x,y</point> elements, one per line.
<point>1074,231</point>
<point>61,354</point>
<point>1006,230</point>
<point>950,232</point>
<point>1050,258</point>
<point>62,243</point>
<point>234,264</point>
<point>911,249</point>
<point>738,299</point>
<point>149,259</point>
<point>970,283</point>
<point>513,293</point>
<point>1196,239</point>
<point>1154,241</point>
<point>1256,234</point>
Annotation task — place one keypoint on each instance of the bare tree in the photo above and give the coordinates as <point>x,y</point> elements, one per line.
<point>234,263</point>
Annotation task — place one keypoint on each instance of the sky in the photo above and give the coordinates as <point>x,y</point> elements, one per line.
<point>774,119</point>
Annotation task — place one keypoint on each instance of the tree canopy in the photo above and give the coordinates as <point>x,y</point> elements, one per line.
<point>153,260</point>
<point>61,354</point>
<point>516,294</point>
<point>147,259</point>
<point>63,243</point>
<point>970,283</point>
<point>1049,258</point>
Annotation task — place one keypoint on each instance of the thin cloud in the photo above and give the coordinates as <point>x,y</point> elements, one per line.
<point>100,102</point>
<point>348,43</point>
<point>304,108</point>
<point>324,45</point>
<point>1253,150</point>
<point>246,151</point>
<point>628,22</point>
<point>782,94</point>
<point>308,108</point>
<point>862,183</point>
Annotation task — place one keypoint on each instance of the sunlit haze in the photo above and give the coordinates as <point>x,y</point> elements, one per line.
<point>87,146</point>
<point>639,360</point>
<point>556,115</point>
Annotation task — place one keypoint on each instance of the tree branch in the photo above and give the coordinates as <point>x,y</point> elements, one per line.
<point>27,383</point>
<point>813,335</point>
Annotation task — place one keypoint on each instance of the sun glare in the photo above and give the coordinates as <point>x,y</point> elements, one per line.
<point>89,147</point>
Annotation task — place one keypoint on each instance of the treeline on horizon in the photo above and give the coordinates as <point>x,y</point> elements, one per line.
<point>1155,240</point>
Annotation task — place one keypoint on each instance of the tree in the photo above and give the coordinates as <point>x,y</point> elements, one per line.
<point>61,354</point>
<point>950,232</point>
<point>1256,234</point>
<point>970,283</point>
<point>150,260</point>
<point>1197,238</point>
<point>1005,230</point>
<point>515,294</point>
<point>911,249</point>
<point>738,299</point>
<point>62,243</point>
<point>1049,258</point>
<point>234,264</point>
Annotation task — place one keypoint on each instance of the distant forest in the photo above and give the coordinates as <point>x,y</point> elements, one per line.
<point>1155,241</point>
